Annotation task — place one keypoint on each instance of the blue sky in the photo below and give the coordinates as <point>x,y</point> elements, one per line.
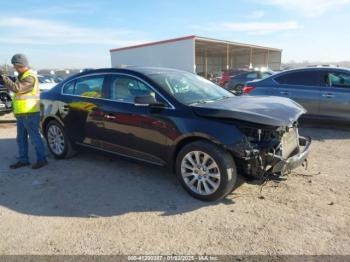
<point>66,34</point>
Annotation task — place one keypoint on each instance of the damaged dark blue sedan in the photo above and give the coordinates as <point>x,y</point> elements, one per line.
<point>178,119</point>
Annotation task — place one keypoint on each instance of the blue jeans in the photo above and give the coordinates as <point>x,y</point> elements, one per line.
<point>28,125</point>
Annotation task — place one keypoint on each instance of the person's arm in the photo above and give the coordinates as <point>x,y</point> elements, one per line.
<point>20,86</point>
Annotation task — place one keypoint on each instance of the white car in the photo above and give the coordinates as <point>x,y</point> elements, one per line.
<point>46,83</point>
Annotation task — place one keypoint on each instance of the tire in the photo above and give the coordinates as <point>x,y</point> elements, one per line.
<point>218,167</point>
<point>61,147</point>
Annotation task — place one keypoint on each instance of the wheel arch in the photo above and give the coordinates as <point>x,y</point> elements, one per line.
<point>189,139</point>
<point>47,120</point>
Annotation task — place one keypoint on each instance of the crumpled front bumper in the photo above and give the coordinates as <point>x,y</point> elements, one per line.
<point>283,165</point>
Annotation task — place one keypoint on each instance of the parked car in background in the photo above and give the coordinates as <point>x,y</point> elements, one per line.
<point>46,83</point>
<point>5,102</point>
<point>5,99</point>
<point>54,78</point>
<point>237,82</point>
<point>323,91</point>
<point>178,119</point>
<point>227,74</point>
<point>215,78</point>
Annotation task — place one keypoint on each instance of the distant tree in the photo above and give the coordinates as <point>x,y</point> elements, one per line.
<point>292,64</point>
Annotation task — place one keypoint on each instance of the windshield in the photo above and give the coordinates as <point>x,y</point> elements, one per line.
<point>189,88</point>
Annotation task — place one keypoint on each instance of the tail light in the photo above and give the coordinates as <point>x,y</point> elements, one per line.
<point>248,89</point>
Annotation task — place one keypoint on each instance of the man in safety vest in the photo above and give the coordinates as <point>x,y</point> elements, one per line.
<point>26,107</point>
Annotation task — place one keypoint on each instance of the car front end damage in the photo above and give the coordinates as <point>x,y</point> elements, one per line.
<point>270,141</point>
<point>270,150</point>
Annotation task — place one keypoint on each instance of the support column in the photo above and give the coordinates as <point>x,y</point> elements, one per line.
<point>206,64</point>
<point>251,58</point>
<point>227,57</point>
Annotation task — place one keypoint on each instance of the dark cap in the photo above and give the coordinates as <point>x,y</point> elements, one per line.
<point>20,60</point>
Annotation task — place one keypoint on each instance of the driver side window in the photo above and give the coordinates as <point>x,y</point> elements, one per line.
<point>125,89</point>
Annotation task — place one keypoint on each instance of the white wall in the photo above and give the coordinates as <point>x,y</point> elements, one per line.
<point>275,59</point>
<point>179,55</point>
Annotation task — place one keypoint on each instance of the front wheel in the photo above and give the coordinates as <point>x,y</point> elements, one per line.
<point>206,171</point>
<point>58,141</point>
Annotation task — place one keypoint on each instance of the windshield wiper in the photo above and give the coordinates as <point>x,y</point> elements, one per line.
<point>209,101</point>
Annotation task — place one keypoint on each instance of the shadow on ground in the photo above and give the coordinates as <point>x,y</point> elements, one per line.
<point>93,185</point>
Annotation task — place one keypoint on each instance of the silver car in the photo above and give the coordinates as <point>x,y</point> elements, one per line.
<point>323,91</point>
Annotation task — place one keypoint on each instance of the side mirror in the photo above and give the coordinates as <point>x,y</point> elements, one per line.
<point>148,100</point>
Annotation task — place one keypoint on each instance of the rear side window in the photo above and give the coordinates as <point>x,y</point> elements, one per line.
<point>68,89</point>
<point>251,76</point>
<point>303,78</point>
<point>89,86</point>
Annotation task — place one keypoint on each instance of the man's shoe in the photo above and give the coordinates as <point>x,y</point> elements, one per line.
<point>40,164</point>
<point>19,164</point>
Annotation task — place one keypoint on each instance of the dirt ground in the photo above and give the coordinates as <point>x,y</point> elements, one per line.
<point>98,204</point>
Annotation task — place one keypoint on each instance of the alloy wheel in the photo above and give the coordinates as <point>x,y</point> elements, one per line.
<point>56,139</point>
<point>200,172</point>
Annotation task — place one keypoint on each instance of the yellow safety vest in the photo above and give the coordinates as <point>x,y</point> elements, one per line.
<point>24,103</point>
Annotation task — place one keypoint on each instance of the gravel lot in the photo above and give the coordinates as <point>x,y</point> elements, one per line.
<point>98,204</point>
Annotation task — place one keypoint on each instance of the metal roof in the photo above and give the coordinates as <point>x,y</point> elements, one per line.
<point>199,38</point>
<point>206,39</point>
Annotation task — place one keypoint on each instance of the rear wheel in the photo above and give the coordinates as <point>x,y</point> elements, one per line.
<point>206,171</point>
<point>58,141</point>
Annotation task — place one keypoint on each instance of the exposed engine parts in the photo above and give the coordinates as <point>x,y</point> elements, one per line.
<point>270,149</point>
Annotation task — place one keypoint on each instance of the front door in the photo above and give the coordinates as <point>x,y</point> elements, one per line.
<point>335,95</point>
<point>129,129</point>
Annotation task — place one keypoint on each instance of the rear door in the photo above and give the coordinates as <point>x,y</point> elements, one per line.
<point>83,100</point>
<point>302,87</point>
<point>335,94</point>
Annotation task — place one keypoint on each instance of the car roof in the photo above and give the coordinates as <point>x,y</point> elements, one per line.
<point>311,68</point>
<point>128,69</point>
<point>301,69</point>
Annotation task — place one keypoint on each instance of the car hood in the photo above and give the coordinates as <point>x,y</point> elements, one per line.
<point>266,110</point>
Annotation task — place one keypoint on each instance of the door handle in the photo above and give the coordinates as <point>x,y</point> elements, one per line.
<point>110,116</point>
<point>284,93</point>
<point>328,95</point>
